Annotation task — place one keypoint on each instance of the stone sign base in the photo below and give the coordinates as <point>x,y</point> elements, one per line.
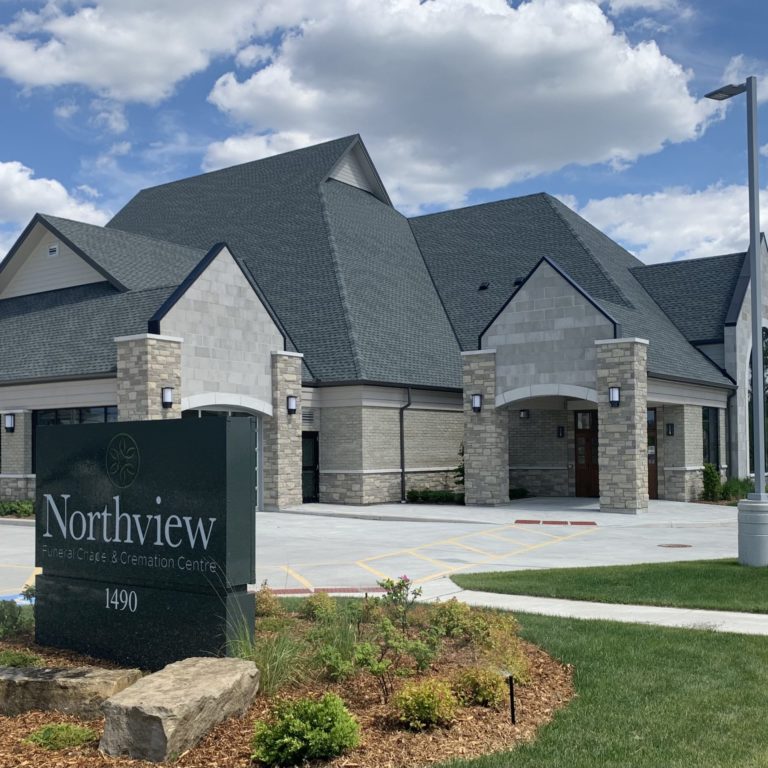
<point>138,625</point>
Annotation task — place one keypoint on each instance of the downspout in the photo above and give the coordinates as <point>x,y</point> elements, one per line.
<point>728,430</point>
<point>402,447</point>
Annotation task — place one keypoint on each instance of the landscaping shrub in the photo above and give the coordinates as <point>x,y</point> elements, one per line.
<point>711,483</point>
<point>336,635</point>
<point>484,687</point>
<point>427,496</point>
<point>502,647</point>
<point>62,736</point>
<point>458,621</point>
<point>399,595</point>
<point>281,657</point>
<point>267,602</point>
<point>11,619</point>
<point>518,493</point>
<point>735,488</point>
<point>306,729</point>
<point>333,664</point>
<point>318,605</point>
<point>425,704</point>
<point>17,509</point>
<point>11,658</point>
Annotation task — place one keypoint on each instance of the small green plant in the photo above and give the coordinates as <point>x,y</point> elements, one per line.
<point>735,488</point>
<point>425,704</point>
<point>459,472</point>
<point>28,592</point>
<point>335,635</point>
<point>428,496</point>
<point>477,685</point>
<point>11,619</point>
<point>17,509</point>
<point>711,483</point>
<point>319,605</point>
<point>267,602</point>
<point>11,658</point>
<point>460,622</point>
<point>62,736</point>
<point>334,665</point>
<point>501,646</point>
<point>305,729</point>
<point>281,658</point>
<point>399,596</point>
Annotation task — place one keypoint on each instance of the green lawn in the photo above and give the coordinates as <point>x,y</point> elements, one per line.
<point>649,697</point>
<point>715,584</point>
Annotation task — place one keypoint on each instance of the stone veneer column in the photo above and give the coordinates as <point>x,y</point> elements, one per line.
<point>281,435</point>
<point>145,364</point>
<point>486,434</point>
<point>623,431</point>
<point>16,481</point>
<point>683,468</point>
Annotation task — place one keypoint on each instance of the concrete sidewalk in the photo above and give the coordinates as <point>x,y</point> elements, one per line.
<point>685,618</point>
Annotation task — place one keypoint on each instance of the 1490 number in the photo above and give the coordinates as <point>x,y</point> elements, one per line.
<point>122,600</point>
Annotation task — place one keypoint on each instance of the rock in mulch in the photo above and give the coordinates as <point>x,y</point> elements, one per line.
<point>168,712</point>
<point>77,691</point>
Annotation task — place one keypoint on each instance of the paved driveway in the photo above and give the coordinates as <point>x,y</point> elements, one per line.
<point>319,545</point>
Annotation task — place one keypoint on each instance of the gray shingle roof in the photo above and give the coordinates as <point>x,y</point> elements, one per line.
<point>694,293</point>
<point>135,261</point>
<point>500,243</point>
<point>70,332</point>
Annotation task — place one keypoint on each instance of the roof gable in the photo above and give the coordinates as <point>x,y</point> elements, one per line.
<point>355,168</point>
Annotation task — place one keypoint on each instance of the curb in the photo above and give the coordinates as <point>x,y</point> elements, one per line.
<point>393,518</point>
<point>16,521</point>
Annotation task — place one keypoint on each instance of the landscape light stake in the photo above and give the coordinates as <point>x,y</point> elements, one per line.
<point>513,717</point>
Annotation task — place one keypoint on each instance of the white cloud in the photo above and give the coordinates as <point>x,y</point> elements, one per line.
<point>243,149</point>
<point>764,150</point>
<point>739,68</point>
<point>252,55</point>
<point>133,51</point>
<point>65,110</point>
<point>677,223</point>
<point>622,6</point>
<point>88,191</point>
<point>22,195</point>
<point>461,94</point>
<point>109,115</point>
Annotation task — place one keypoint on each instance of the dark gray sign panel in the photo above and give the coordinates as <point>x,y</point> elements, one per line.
<point>145,532</point>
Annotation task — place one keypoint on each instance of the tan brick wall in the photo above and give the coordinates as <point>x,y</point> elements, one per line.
<point>341,438</point>
<point>145,365</point>
<point>379,487</point>
<point>623,431</point>
<point>681,462</point>
<point>538,458</point>
<point>281,432</point>
<point>486,434</point>
<point>16,446</point>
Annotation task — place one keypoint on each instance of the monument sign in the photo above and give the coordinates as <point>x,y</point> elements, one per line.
<point>145,532</point>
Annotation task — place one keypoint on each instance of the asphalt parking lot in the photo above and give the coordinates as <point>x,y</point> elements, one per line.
<point>322,546</point>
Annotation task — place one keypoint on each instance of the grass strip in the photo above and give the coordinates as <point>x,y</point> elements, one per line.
<point>713,584</point>
<point>648,697</point>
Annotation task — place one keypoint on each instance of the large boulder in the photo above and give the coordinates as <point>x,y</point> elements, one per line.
<point>79,691</point>
<point>168,712</point>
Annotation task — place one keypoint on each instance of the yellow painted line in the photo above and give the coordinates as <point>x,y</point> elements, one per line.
<point>540,530</point>
<point>479,551</point>
<point>499,537</point>
<point>298,577</point>
<point>30,582</point>
<point>519,551</point>
<point>368,568</point>
<point>433,561</point>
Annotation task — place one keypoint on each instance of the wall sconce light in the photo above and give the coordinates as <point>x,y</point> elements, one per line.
<point>525,413</point>
<point>166,396</point>
<point>477,403</point>
<point>614,396</point>
<point>291,404</point>
<point>670,430</point>
<point>561,431</point>
<point>10,422</point>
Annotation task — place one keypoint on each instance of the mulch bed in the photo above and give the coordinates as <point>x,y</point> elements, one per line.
<point>476,730</point>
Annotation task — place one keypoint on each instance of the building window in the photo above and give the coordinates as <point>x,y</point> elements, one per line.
<point>711,435</point>
<point>95,415</point>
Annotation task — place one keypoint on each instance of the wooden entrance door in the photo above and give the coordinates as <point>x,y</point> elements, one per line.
<point>587,475</point>
<point>310,467</point>
<point>653,471</point>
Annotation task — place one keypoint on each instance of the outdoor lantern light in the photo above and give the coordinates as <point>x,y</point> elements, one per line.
<point>10,422</point>
<point>477,403</point>
<point>167,397</point>
<point>291,404</point>
<point>614,396</point>
<point>670,430</point>
<point>525,413</point>
<point>561,431</point>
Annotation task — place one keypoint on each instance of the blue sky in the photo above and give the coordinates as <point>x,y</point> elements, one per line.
<point>458,102</point>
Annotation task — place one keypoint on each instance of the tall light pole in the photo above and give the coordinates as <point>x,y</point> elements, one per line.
<point>753,512</point>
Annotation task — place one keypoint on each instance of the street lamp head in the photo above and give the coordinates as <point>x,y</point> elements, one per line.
<point>726,91</point>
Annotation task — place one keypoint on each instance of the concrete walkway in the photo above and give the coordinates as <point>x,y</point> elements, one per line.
<point>685,618</point>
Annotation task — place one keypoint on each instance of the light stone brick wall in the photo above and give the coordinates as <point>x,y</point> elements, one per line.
<point>281,477</point>
<point>146,364</point>
<point>538,458</point>
<point>228,334</point>
<point>546,335</point>
<point>486,434</point>
<point>623,431</point>
<point>16,481</point>
<point>682,465</point>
